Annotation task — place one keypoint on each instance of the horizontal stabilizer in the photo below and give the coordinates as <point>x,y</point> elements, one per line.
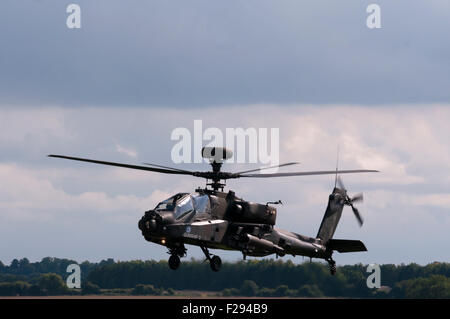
<point>346,246</point>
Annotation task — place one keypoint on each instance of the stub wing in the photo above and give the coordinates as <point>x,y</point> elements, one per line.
<point>346,246</point>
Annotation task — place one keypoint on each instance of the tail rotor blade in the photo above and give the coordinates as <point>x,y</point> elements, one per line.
<point>349,201</point>
<point>357,198</point>
<point>358,216</point>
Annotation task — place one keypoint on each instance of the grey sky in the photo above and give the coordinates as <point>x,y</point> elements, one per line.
<point>136,70</point>
<point>202,53</point>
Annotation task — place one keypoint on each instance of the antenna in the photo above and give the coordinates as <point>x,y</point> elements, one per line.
<point>337,165</point>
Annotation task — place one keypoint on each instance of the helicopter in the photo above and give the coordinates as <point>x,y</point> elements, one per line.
<point>213,219</point>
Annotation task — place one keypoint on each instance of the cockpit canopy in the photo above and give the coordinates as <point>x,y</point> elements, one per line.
<point>183,204</point>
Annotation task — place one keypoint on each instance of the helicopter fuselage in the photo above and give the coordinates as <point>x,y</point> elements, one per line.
<point>226,222</point>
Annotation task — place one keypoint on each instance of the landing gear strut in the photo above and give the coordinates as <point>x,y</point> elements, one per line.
<point>332,265</point>
<point>214,261</point>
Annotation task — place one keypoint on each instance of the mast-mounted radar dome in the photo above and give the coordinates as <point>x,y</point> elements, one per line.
<point>216,154</point>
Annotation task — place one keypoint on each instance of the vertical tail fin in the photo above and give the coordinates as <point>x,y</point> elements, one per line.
<point>332,215</point>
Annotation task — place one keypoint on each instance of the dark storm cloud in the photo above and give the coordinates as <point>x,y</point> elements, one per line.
<point>194,53</point>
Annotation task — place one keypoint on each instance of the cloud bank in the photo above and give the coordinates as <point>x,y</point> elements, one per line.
<point>69,209</point>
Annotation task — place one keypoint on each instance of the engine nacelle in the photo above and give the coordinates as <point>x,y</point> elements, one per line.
<point>247,212</point>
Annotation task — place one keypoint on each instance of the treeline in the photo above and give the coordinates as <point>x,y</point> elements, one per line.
<point>279,278</point>
<point>45,285</point>
<point>23,269</point>
<point>44,278</point>
<point>53,285</point>
<point>435,286</point>
<point>267,278</point>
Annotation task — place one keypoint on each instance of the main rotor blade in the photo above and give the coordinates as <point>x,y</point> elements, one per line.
<point>167,167</point>
<point>309,173</point>
<point>142,168</point>
<point>261,168</point>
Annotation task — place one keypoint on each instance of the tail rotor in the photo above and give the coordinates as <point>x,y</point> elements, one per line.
<point>349,201</point>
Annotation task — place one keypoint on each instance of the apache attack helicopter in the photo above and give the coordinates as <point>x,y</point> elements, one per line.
<point>213,219</point>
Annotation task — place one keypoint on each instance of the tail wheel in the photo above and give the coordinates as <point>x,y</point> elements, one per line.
<point>332,265</point>
<point>174,262</point>
<point>215,263</point>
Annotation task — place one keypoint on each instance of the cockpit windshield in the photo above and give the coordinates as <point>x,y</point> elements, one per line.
<point>183,204</point>
<point>184,207</point>
<point>169,204</point>
<point>202,203</point>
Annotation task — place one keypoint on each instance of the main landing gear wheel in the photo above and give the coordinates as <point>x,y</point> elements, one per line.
<point>215,263</point>
<point>174,262</point>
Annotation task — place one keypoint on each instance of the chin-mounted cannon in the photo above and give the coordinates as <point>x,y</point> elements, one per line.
<point>153,221</point>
